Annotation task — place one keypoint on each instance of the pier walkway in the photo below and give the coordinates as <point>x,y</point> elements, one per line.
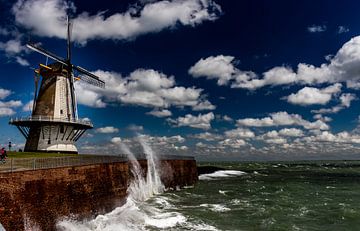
<point>35,163</point>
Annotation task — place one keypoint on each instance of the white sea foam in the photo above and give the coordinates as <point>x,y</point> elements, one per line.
<point>223,192</point>
<point>144,209</point>
<point>202,227</point>
<point>235,202</point>
<point>216,207</point>
<point>221,174</point>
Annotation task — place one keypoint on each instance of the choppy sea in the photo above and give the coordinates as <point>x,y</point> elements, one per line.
<point>309,195</point>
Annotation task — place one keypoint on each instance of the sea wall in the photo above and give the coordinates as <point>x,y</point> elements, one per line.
<point>40,198</point>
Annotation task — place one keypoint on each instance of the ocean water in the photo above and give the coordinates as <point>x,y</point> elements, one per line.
<point>311,195</point>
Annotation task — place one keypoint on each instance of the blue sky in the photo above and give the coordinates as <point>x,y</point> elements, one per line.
<point>243,80</point>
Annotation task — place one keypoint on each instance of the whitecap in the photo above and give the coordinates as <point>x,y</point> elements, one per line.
<point>165,220</point>
<point>223,192</point>
<point>235,201</point>
<point>216,207</point>
<point>202,227</point>
<point>221,174</point>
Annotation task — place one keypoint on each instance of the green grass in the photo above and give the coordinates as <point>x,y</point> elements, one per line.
<point>12,154</point>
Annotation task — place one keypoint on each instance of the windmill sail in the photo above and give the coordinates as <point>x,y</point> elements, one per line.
<point>54,125</point>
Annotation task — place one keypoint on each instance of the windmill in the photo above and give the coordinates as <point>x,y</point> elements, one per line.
<point>54,125</point>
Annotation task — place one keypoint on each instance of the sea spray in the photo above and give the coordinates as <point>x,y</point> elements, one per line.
<point>135,214</point>
<point>154,184</point>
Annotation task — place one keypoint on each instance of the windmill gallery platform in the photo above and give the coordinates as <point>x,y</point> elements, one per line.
<point>40,197</point>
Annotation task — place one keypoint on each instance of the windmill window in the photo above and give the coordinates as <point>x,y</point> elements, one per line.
<point>61,112</point>
<point>62,129</point>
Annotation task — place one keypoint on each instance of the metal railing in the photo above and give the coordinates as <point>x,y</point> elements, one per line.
<point>51,119</point>
<point>25,164</point>
<point>36,163</point>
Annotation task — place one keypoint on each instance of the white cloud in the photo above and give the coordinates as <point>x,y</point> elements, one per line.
<point>135,128</point>
<point>227,118</point>
<point>12,47</point>
<point>310,95</point>
<point>316,28</point>
<point>341,137</point>
<point>11,103</point>
<point>342,29</point>
<point>22,61</point>
<point>274,76</point>
<point>13,50</point>
<point>147,88</point>
<point>6,107</point>
<point>292,132</point>
<point>341,68</point>
<point>218,67</point>
<point>240,133</point>
<point>107,129</point>
<point>207,136</point>
<point>200,121</point>
<point>282,119</point>
<point>345,102</point>
<point>4,93</point>
<point>233,143</point>
<point>116,140</point>
<point>6,111</point>
<point>169,139</point>
<point>48,18</point>
<point>322,118</point>
<point>85,96</point>
<point>28,106</point>
<point>160,113</point>
<point>279,140</point>
<point>204,105</point>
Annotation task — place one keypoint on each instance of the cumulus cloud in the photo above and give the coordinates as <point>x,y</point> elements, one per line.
<point>204,105</point>
<point>12,47</point>
<point>48,18</point>
<point>345,102</point>
<point>200,121</point>
<point>310,95</point>
<point>282,119</point>
<point>279,140</point>
<point>272,137</point>
<point>207,136</point>
<point>322,118</point>
<point>341,137</point>
<point>147,88</point>
<point>316,28</point>
<point>13,50</point>
<point>292,132</point>
<point>7,107</point>
<point>227,118</point>
<point>160,113</point>
<point>107,129</point>
<point>240,133</point>
<point>135,128</point>
<point>28,106</point>
<point>4,93</point>
<point>6,112</point>
<point>233,143</point>
<point>116,140</point>
<point>215,67</point>
<point>341,68</point>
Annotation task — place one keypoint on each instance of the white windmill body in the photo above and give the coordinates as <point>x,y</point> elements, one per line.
<point>54,125</point>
